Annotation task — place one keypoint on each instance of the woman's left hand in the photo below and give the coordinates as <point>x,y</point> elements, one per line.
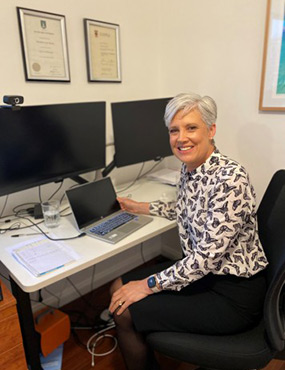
<point>128,294</point>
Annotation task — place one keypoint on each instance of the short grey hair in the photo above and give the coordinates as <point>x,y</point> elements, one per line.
<point>188,102</point>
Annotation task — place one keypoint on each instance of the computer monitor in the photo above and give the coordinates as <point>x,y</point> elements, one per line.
<point>140,133</point>
<point>48,143</point>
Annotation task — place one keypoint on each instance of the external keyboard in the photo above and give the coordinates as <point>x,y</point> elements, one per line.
<point>112,223</point>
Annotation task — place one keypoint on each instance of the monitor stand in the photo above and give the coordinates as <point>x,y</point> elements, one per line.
<point>80,180</point>
<point>109,168</point>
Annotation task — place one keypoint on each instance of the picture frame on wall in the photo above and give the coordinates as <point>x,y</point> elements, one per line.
<point>272,90</point>
<point>102,40</point>
<point>44,45</point>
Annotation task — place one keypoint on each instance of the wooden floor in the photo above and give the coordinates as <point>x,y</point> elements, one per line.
<point>76,356</point>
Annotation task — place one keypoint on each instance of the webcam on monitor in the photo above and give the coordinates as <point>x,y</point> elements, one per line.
<point>12,101</point>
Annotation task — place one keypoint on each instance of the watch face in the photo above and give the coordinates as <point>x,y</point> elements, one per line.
<point>151,282</point>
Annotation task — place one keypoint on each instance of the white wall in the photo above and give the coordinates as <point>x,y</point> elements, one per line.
<point>209,47</point>
<point>139,60</point>
<point>138,51</point>
<point>216,48</point>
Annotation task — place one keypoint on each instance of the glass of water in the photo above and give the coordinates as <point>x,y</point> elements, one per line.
<point>51,213</point>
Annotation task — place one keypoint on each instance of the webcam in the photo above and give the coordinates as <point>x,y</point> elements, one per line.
<point>13,99</point>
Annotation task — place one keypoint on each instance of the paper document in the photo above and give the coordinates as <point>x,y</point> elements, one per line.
<point>41,256</point>
<point>165,176</point>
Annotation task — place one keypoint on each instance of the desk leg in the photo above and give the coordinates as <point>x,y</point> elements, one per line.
<point>31,338</point>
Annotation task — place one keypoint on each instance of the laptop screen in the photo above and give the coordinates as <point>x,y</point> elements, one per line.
<point>92,201</point>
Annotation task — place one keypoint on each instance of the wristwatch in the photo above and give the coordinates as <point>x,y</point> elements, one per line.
<point>153,284</point>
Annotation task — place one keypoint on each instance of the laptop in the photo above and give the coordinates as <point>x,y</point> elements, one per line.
<point>97,212</point>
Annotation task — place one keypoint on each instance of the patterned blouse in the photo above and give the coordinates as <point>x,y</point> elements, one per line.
<point>216,217</point>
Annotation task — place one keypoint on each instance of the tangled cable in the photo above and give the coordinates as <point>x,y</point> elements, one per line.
<point>91,347</point>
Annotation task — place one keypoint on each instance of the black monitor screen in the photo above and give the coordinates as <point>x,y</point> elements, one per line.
<point>47,143</point>
<point>139,131</point>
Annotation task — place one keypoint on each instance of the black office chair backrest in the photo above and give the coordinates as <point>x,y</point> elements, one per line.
<point>255,347</point>
<point>271,225</point>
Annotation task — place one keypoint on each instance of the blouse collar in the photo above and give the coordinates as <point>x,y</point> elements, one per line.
<point>213,159</point>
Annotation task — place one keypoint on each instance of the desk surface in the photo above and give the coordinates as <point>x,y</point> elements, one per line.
<point>90,250</point>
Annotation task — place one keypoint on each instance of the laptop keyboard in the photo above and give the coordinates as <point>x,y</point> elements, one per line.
<point>111,224</point>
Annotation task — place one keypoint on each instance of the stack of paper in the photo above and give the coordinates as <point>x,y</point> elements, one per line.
<point>41,256</point>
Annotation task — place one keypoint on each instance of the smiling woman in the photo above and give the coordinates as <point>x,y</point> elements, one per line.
<point>221,272</point>
<point>191,138</point>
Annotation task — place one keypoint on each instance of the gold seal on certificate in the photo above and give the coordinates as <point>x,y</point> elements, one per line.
<point>102,45</point>
<point>44,45</point>
<point>36,67</point>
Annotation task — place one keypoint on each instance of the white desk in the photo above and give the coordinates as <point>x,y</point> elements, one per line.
<point>90,250</point>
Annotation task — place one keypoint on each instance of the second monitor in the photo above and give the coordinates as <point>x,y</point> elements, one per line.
<point>140,134</point>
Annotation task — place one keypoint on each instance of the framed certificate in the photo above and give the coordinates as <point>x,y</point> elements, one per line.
<point>44,45</point>
<point>272,91</point>
<point>102,51</point>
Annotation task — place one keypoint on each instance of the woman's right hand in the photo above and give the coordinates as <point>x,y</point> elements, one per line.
<point>133,206</point>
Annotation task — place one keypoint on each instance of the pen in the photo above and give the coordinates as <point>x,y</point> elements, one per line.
<point>17,235</point>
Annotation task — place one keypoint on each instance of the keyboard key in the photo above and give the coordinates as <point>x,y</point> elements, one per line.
<point>106,226</point>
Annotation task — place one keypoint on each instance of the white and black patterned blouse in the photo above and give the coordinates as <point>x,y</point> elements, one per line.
<point>216,218</point>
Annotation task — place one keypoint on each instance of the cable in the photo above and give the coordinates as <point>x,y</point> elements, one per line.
<point>68,214</point>
<point>96,336</point>
<point>57,190</point>
<point>153,167</point>
<point>80,295</point>
<point>48,237</point>
<point>138,176</point>
<point>53,194</point>
<point>69,312</point>
<point>6,220</point>
<point>95,175</point>
<point>44,304</point>
<point>40,295</point>
<point>23,204</point>
<point>3,231</point>
<point>72,186</point>
<point>61,199</point>
<point>49,292</point>
<point>40,194</point>
<point>98,339</point>
<point>14,226</point>
<point>5,203</point>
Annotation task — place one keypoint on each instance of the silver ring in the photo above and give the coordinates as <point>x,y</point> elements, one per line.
<point>120,304</point>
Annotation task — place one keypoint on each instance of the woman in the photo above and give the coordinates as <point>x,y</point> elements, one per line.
<point>218,286</point>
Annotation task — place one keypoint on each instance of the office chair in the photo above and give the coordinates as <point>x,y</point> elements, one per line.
<point>254,348</point>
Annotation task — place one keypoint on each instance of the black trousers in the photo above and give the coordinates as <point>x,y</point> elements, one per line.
<point>215,304</point>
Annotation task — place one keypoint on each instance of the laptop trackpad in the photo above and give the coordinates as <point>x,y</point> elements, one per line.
<point>128,227</point>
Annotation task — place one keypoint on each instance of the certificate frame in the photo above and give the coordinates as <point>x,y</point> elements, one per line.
<point>102,41</point>
<point>272,89</point>
<point>44,45</point>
